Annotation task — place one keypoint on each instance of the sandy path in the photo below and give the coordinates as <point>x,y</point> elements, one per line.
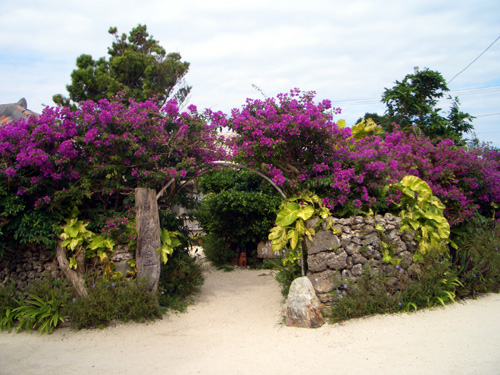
<point>234,328</point>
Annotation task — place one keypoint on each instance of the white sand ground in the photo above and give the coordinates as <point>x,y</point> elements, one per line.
<point>235,328</point>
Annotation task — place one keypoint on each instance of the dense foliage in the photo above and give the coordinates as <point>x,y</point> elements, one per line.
<point>138,67</point>
<point>93,159</point>
<point>82,166</point>
<point>295,141</point>
<point>412,103</point>
<point>237,212</point>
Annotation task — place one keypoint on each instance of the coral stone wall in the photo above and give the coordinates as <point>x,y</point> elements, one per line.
<point>28,263</point>
<point>340,256</point>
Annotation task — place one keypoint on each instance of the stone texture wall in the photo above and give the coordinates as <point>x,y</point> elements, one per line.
<point>334,260</point>
<point>28,263</point>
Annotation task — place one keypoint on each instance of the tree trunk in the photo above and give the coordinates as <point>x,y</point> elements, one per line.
<point>147,259</point>
<point>74,276</point>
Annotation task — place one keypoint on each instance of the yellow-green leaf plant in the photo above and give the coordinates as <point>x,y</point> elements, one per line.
<point>422,212</point>
<point>366,128</point>
<point>75,237</point>
<point>290,227</point>
<point>169,241</point>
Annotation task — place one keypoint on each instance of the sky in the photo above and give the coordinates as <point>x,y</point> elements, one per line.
<point>347,51</point>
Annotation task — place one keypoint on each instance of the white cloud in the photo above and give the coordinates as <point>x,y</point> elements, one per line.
<point>344,50</point>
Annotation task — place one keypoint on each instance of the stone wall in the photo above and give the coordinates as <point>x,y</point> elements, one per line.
<point>28,263</point>
<point>338,257</point>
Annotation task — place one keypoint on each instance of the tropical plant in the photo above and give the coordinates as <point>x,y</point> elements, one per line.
<point>42,313</point>
<point>169,241</point>
<point>291,228</point>
<point>422,212</point>
<point>93,159</point>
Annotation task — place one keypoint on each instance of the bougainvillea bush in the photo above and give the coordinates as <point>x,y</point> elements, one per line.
<point>93,159</point>
<point>295,141</point>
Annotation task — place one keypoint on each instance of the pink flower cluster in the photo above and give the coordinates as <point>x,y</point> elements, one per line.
<point>295,141</point>
<point>103,149</point>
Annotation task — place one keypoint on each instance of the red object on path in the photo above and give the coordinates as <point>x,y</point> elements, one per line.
<point>243,260</point>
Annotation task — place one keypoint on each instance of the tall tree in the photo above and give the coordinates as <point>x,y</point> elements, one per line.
<point>412,103</point>
<point>138,67</point>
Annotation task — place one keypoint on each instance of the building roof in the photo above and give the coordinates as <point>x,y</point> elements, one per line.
<point>14,111</point>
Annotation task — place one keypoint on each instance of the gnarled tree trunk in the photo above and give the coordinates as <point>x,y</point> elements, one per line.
<point>147,259</point>
<point>74,276</point>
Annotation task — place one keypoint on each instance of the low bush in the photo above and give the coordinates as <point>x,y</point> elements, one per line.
<point>40,306</point>
<point>180,278</point>
<point>379,294</point>
<point>477,258</point>
<point>217,250</point>
<point>110,300</point>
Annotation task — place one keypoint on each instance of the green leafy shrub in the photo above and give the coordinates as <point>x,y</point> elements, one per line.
<point>238,209</point>
<point>433,285</point>
<point>436,286</point>
<point>217,250</point>
<point>180,278</point>
<point>107,301</point>
<point>41,313</point>
<point>477,257</point>
<point>368,296</point>
<point>39,306</point>
<point>9,297</point>
<point>423,213</point>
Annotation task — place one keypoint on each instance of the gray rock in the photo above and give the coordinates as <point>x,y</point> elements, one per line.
<point>357,270</point>
<point>337,261</point>
<point>322,241</point>
<point>318,262</point>
<point>303,308</point>
<point>326,281</point>
<point>346,275</point>
<point>371,239</point>
<point>358,259</point>
<point>352,248</point>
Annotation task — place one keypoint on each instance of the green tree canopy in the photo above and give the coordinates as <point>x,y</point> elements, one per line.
<point>239,208</point>
<point>138,67</point>
<point>412,103</point>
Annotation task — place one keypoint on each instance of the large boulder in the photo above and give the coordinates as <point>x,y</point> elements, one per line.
<point>303,308</point>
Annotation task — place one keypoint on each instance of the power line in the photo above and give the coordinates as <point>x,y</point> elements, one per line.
<point>465,91</point>
<point>491,114</point>
<point>473,61</point>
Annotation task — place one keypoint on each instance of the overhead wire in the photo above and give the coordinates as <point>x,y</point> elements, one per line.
<point>473,61</point>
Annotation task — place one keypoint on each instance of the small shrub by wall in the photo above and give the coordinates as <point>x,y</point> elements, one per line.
<point>338,257</point>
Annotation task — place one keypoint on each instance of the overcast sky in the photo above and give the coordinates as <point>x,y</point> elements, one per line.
<point>347,51</point>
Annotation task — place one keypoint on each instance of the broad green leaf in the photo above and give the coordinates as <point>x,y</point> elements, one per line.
<point>414,224</point>
<point>72,263</point>
<point>305,212</point>
<point>293,236</point>
<point>341,123</point>
<point>276,232</point>
<point>71,231</point>
<point>288,214</point>
<point>74,244</point>
<point>97,242</point>
<point>416,184</point>
<point>310,232</point>
<point>300,227</point>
